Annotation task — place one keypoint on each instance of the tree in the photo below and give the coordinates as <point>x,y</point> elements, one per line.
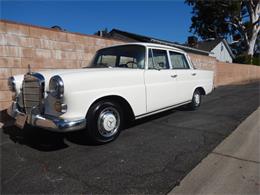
<point>235,19</point>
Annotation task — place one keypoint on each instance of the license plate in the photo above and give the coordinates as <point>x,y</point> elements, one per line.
<point>20,121</point>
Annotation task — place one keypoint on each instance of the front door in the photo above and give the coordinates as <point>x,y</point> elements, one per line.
<point>160,81</point>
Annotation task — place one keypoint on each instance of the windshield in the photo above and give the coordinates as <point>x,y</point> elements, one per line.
<point>128,56</point>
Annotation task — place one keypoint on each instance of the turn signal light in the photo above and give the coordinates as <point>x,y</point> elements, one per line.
<point>60,107</point>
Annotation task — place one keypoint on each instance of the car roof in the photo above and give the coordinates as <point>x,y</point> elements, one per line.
<point>160,46</point>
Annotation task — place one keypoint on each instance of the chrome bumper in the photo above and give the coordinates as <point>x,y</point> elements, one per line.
<point>47,122</point>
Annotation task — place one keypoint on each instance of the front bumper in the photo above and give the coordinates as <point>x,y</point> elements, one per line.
<point>47,122</point>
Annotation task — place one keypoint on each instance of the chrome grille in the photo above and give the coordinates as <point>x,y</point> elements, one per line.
<point>33,89</point>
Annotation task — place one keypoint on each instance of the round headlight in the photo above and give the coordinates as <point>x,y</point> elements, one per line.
<point>56,87</point>
<point>11,84</point>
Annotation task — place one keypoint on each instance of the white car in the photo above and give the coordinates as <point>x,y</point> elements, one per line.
<point>122,83</point>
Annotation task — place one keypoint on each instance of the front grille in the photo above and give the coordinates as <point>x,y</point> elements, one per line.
<point>32,92</point>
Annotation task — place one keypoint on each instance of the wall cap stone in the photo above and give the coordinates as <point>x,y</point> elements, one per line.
<point>53,30</point>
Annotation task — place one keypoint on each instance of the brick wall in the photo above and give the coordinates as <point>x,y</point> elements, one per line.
<point>42,48</point>
<point>227,73</point>
<point>45,48</point>
<point>203,62</point>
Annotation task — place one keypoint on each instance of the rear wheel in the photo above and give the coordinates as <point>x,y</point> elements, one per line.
<point>104,121</point>
<point>196,100</point>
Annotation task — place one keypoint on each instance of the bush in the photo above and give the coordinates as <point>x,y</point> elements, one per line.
<point>256,60</point>
<point>246,59</point>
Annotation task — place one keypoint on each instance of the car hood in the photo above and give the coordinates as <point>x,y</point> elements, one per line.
<point>63,73</point>
<point>70,73</point>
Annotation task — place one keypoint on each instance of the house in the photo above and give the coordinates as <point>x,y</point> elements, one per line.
<point>132,37</point>
<point>218,48</point>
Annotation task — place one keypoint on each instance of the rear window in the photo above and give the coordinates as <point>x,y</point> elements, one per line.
<point>178,61</point>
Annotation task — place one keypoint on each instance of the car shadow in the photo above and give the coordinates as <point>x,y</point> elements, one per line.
<point>41,139</point>
<point>36,138</point>
<point>44,140</point>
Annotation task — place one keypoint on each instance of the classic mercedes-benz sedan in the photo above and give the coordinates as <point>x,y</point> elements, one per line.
<point>122,83</point>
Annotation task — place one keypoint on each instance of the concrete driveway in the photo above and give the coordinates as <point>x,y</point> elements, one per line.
<point>151,156</point>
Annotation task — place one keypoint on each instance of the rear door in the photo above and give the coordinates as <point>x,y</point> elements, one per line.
<point>185,76</point>
<point>160,81</point>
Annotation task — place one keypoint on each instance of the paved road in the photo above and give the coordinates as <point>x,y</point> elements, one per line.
<point>152,156</point>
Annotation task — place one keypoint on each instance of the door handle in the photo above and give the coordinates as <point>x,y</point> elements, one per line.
<point>194,74</point>
<point>174,76</point>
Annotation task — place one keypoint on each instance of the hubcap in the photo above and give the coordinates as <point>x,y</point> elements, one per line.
<point>197,99</point>
<point>108,122</point>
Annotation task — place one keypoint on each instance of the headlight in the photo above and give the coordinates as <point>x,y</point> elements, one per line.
<point>11,84</point>
<point>56,87</point>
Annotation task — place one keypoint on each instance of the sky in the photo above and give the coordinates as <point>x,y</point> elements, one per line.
<point>168,20</point>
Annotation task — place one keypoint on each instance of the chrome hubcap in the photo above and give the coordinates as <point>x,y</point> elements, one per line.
<point>197,99</point>
<point>108,122</point>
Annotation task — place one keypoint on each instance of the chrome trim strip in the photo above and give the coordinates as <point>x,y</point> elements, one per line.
<point>57,124</point>
<point>161,110</point>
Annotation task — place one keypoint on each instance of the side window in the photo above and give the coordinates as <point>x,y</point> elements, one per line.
<point>158,59</point>
<point>109,60</point>
<point>178,61</point>
<point>128,62</point>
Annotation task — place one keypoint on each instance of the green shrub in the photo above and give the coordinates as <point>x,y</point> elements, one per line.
<point>246,59</point>
<point>256,60</point>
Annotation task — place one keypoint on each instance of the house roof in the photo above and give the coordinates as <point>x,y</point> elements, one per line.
<point>142,38</point>
<point>209,45</point>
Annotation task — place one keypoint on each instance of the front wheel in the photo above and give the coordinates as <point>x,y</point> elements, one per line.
<point>196,100</point>
<point>104,121</point>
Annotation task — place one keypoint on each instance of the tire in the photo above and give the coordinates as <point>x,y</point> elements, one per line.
<point>104,122</point>
<point>196,100</point>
